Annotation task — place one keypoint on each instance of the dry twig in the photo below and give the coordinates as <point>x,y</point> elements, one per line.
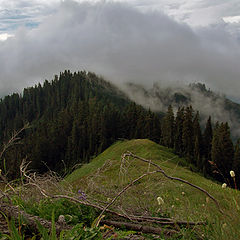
<point>129,154</point>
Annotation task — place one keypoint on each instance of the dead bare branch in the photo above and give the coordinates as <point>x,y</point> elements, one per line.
<point>13,140</point>
<point>141,228</point>
<point>124,190</point>
<point>129,154</point>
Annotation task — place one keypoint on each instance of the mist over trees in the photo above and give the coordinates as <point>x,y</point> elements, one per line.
<point>78,115</point>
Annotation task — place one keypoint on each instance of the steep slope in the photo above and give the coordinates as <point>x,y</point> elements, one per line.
<point>105,176</point>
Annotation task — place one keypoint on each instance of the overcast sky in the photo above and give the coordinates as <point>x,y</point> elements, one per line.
<point>144,41</point>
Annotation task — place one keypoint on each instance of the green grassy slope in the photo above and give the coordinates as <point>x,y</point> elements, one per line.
<point>104,177</point>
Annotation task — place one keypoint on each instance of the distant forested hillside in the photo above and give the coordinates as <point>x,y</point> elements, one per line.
<point>72,118</point>
<point>206,101</point>
<point>78,115</point>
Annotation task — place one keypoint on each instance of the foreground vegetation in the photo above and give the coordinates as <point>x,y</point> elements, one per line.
<point>154,195</point>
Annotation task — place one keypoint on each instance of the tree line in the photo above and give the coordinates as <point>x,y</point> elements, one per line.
<point>77,115</point>
<point>210,148</point>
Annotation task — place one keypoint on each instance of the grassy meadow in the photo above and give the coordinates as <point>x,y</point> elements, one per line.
<point>105,176</point>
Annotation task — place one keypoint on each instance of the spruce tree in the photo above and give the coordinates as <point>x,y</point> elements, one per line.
<point>197,142</point>
<point>207,146</point>
<point>222,150</point>
<point>236,163</point>
<point>178,143</point>
<point>187,137</point>
<point>168,126</point>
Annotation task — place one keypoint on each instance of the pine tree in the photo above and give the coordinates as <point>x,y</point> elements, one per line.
<point>178,143</point>
<point>197,135</point>
<point>222,150</point>
<point>236,163</point>
<point>168,125</point>
<point>187,137</point>
<point>156,129</point>
<point>207,146</point>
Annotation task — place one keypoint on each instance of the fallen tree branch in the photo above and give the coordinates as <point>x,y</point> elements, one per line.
<point>32,180</point>
<point>124,190</point>
<point>15,212</point>
<point>129,154</point>
<point>160,221</point>
<point>167,221</point>
<point>141,228</point>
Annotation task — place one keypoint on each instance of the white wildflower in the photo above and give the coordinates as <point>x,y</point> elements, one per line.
<point>232,173</point>
<point>224,185</point>
<point>160,201</point>
<point>61,219</point>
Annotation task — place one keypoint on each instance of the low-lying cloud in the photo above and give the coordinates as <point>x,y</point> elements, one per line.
<point>208,103</point>
<point>123,44</point>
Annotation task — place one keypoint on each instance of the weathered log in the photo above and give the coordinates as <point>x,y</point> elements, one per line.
<point>141,228</point>
<point>15,212</point>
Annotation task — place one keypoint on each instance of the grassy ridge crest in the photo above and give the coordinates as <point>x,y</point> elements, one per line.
<point>180,201</point>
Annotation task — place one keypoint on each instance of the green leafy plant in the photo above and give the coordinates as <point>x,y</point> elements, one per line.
<point>79,232</point>
<point>15,233</point>
<point>73,213</point>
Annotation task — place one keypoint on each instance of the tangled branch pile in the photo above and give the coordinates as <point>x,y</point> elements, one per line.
<point>48,186</point>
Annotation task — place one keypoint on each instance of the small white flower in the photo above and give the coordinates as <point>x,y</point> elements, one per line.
<point>232,173</point>
<point>224,185</point>
<point>183,193</point>
<point>61,219</point>
<point>160,201</point>
<point>224,225</point>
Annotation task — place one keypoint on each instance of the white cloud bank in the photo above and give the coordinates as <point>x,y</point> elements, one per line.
<point>123,44</point>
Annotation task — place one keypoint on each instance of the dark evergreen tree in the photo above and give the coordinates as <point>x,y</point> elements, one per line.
<point>222,152</point>
<point>178,141</point>
<point>187,136</point>
<point>168,126</point>
<point>236,163</point>
<point>197,135</point>
<point>207,146</point>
